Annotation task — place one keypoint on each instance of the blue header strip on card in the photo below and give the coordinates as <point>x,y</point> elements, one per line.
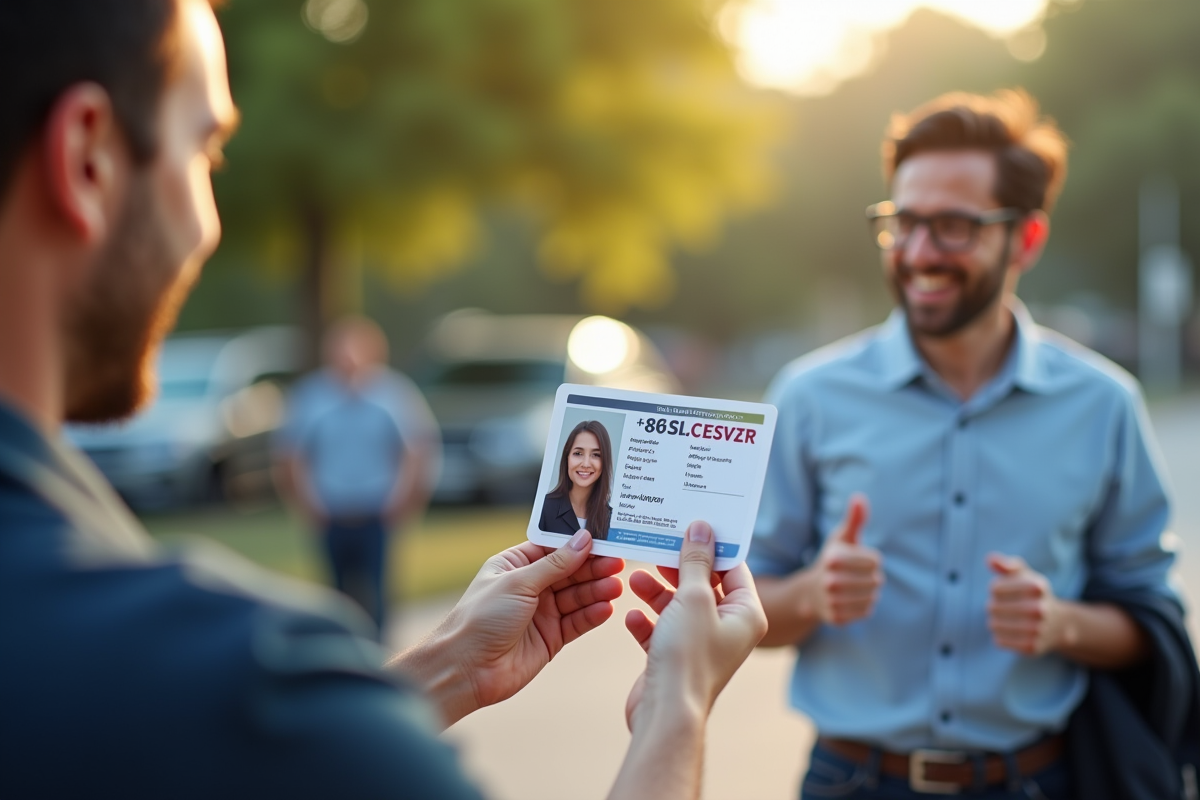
<point>660,542</point>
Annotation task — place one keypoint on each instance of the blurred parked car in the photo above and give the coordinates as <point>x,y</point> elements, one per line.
<point>490,380</point>
<point>207,436</point>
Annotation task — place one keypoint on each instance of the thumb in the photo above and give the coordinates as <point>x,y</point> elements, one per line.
<point>1002,564</point>
<point>697,555</point>
<point>562,563</point>
<point>856,518</point>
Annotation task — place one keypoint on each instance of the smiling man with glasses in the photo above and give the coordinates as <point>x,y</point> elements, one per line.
<point>963,513</point>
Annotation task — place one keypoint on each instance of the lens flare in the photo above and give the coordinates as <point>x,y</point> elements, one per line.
<point>599,345</point>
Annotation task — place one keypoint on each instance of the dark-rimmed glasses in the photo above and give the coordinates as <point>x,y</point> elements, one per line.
<point>950,231</point>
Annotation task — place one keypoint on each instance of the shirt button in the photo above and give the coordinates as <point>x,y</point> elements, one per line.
<point>947,650</point>
<point>952,576</point>
<point>962,423</point>
<point>959,499</point>
<point>946,717</point>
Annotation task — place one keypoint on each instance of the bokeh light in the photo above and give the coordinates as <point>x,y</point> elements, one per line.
<point>599,345</point>
<point>338,21</point>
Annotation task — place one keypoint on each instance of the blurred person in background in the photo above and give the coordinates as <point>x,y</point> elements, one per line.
<point>580,500</point>
<point>964,512</point>
<point>357,458</point>
<point>132,673</point>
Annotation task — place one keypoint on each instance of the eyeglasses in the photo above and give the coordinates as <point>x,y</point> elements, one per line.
<point>951,231</point>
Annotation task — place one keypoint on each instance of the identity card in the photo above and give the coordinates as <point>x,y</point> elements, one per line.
<point>636,469</point>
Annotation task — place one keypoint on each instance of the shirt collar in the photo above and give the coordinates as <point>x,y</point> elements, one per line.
<point>18,433</point>
<point>899,361</point>
<point>901,364</point>
<point>69,483</point>
<point>1030,356</point>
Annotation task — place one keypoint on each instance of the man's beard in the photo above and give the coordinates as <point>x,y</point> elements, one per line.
<point>116,324</point>
<point>975,299</point>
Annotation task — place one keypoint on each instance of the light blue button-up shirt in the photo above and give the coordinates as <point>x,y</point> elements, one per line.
<point>353,439</point>
<point>1052,461</point>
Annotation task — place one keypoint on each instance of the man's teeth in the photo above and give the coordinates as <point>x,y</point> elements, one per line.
<point>930,283</point>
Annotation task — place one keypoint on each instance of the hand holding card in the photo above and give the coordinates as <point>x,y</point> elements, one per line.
<point>636,468</point>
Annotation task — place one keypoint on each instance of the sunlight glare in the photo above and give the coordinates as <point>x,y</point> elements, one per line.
<point>599,345</point>
<point>810,46</point>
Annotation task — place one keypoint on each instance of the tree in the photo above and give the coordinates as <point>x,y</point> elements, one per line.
<point>376,133</point>
<point>1121,77</point>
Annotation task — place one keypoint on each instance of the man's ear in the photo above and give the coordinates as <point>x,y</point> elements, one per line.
<point>84,150</point>
<point>1030,239</point>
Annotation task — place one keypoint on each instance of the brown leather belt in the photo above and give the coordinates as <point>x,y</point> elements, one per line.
<point>950,771</point>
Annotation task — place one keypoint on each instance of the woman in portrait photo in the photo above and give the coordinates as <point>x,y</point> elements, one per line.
<point>580,500</point>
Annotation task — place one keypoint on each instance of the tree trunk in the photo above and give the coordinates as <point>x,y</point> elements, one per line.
<point>316,281</point>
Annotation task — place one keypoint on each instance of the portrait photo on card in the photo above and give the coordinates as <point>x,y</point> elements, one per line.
<point>580,494</point>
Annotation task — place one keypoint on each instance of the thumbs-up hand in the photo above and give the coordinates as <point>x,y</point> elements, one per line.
<point>847,574</point>
<point>1023,613</point>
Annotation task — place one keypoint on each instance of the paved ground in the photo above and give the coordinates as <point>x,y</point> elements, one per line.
<point>564,736</point>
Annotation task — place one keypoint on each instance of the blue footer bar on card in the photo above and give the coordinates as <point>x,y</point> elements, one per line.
<point>660,542</point>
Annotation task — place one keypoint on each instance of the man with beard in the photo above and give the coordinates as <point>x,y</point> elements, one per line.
<point>131,673</point>
<point>1002,467</point>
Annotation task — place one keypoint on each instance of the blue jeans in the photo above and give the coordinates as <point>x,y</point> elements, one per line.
<point>357,551</point>
<point>830,775</point>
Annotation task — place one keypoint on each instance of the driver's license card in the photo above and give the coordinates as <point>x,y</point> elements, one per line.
<point>636,469</point>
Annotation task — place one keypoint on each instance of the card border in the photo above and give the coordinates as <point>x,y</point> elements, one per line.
<point>668,558</point>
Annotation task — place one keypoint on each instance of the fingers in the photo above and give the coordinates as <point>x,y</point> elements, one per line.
<point>1002,564</point>
<point>651,592</point>
<point>672,576</point>
<point>1020,632</point>
<point>1019,613</point>
<point>594,568</point>
<point>1015,581</point>
<point>1016,590</point>
<point>861,559</point>
<point>697,555</point>
<point>741,603</point>
<point>850,588</point>
<point>585,619</point>
<point>520,555</point>
<point>852,584</point>
<point>559,565</point>
<point>737,579</point>
<point>575,597</point>
<point>850,531</point>
<point>843,612</point>
<point>1013,625</point>
<point>638,624</point>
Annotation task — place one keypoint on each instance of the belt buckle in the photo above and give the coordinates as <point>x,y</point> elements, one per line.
<point>917,761</point>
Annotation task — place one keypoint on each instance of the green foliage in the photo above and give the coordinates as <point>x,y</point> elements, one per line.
<point>1121,76</point>
<point>618,126</point>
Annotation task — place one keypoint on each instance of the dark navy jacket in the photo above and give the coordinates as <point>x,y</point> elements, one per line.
<point>1136,735</point>
<point>127,673</point>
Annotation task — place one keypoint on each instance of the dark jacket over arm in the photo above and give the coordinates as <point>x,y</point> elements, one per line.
<point>1136,735</point>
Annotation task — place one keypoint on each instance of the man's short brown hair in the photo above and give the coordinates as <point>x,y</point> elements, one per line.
<point>1030,150</point>
<point>46,46</point>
